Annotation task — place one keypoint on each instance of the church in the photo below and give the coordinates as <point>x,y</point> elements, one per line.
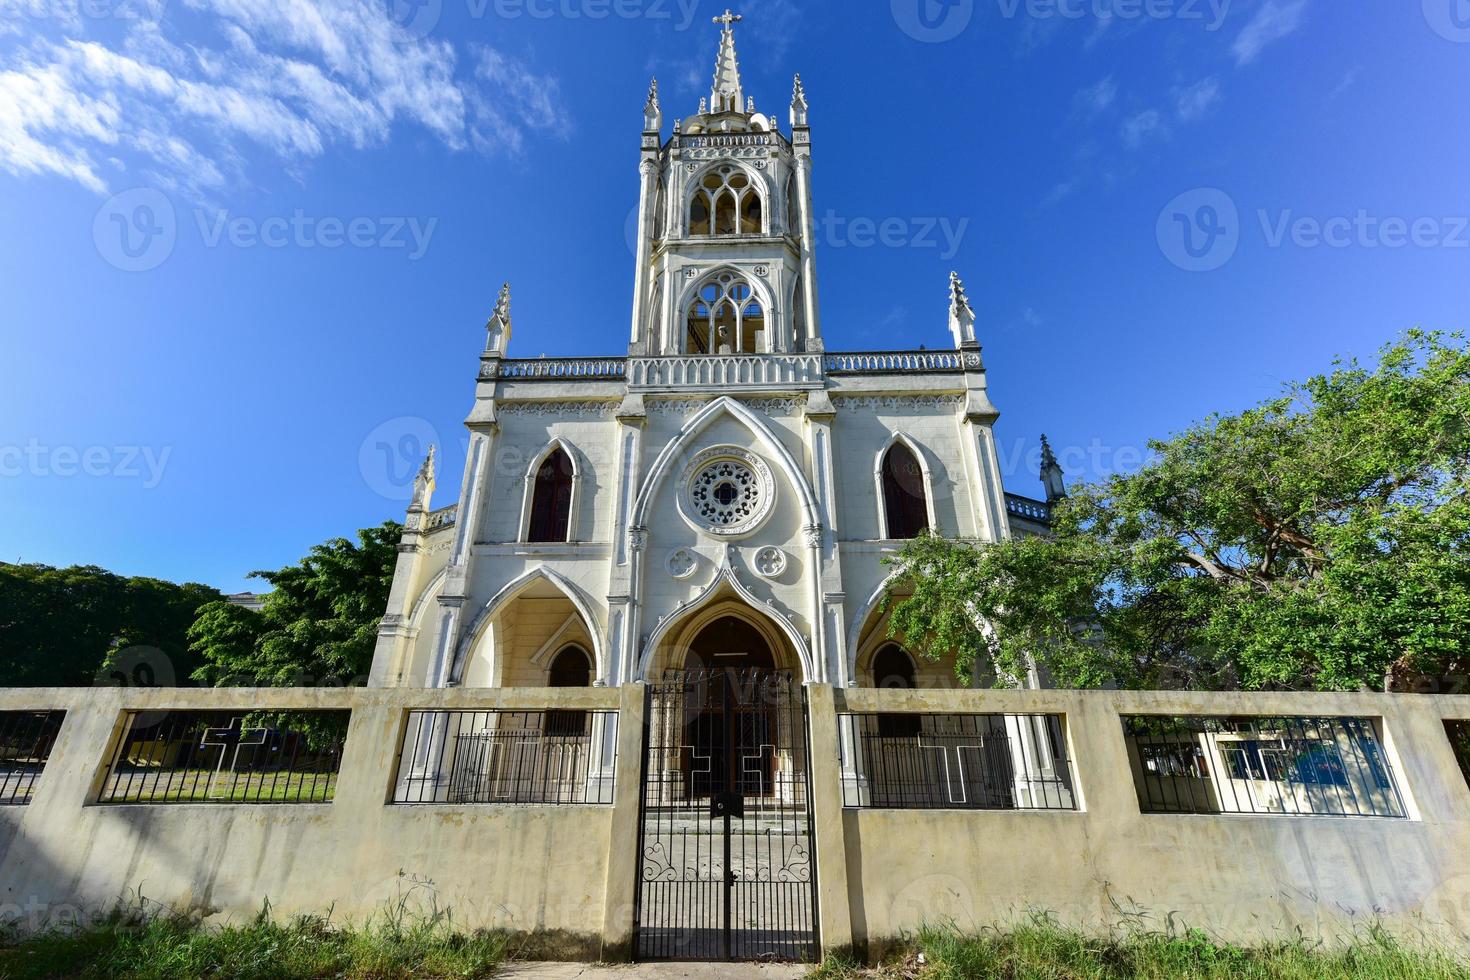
<point>723,496</point>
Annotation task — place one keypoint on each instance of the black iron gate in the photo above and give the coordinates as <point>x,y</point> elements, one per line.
<point>726,867</point>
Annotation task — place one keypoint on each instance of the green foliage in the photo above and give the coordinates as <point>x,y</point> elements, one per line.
<point>60,626</point>
<point>1320,540</point>
<point>319,623</point>
<point>1041,949</point>
<point>307,947</point>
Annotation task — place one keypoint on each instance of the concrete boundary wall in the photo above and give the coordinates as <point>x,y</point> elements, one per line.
<point>567,872</point>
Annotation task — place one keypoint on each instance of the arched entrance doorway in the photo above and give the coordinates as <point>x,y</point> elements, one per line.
<point>726,869</point>
<point>729,713</point>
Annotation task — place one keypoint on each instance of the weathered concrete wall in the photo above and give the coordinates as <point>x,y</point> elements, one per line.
<point>570,870</point>
<point>541,869</point>
<point>1242,877</point>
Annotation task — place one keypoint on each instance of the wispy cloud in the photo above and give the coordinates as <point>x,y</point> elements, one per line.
<point>1095,99</point>
<point>1194,101</point>
<point>1274,20</point>
<point>1141,127</point>
<point>291,79</point>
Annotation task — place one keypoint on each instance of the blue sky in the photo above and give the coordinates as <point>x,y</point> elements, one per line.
<point>1161,208</point>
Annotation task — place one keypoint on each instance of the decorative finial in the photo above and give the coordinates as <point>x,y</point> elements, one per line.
<point>498,326</point>
<point>703,106</point>
<point>653,115</point>
<point>961,316</point>
<point>423,484</point>
<point>750,104</point>
<point>728,19</point>
<point>1051,474</point>
<point>798,104</point>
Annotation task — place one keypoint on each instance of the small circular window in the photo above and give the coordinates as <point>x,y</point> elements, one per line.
<point>727,491</point>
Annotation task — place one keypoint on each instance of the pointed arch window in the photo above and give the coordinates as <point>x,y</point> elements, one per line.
<point>725,316</point>
<point>726,202</point>
<point>793,212</point>
<point>571,668</point>
<point>905,502</point>
<point>894,669</point>
<point>551,499</point>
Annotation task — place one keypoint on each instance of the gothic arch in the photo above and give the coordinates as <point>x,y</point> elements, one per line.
<point>760,291</point>
<point>694,187</point>
<point>529,490</point>
<point>726,581</point>
<point>913,447</point>
<point>855,630</point>
<point>725,405</point>
<point>579,599</point>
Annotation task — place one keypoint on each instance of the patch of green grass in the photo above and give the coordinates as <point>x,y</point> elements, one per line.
<point>1040,949</point>
<point>307,947</point>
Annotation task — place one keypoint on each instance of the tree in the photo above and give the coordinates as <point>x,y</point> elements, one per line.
<point>66,627</point>
<point>1318,541</point>
<point>319,623</point>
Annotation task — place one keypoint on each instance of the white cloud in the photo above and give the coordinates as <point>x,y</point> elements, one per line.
<point>1141,127</point>
<point>1095,99</point>
<point>1273,21</point>
<point>290,78</point>
<point>1193,102</point>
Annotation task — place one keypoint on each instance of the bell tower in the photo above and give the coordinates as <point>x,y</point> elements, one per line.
<point>725,257</point>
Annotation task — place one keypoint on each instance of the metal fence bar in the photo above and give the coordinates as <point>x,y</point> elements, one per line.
<point>26,738</point>
<point>953,761</point>
<point>226,757</point>
<point>1295,766</point>
<point>554,757</point>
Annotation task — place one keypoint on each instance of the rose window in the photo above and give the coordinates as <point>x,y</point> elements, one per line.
<point>727,491</point>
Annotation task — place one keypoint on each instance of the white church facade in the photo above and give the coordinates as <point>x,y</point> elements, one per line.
<point>726,494</point>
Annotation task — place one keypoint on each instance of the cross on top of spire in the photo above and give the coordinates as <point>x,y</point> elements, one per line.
<point>728,95</point>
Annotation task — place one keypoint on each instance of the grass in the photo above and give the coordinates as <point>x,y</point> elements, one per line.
<point>1040,949</point>
<point>208,786</point>
<point>175,948</point>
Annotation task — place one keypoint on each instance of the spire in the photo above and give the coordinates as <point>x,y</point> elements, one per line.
<point>727,95</point>
<point>798,104</point>
<point>653,115</point>
<point>423,484</point>
<point>961,316</point>
<point>498,327</point>
<point>1051,474</point>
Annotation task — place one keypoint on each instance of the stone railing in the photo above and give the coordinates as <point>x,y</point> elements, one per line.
<point>725,370</point>
<point>1031,510</point>
<point>565,369</point>
<point>444,517</point>
<point>895,362</point>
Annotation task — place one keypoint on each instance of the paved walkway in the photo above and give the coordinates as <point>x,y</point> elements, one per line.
<point>653,971</point>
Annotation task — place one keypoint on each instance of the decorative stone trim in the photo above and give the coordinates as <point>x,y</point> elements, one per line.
<point>585,409</point>
<point>681,564</point>
<point>868,403</point>
<point>770,562</point>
